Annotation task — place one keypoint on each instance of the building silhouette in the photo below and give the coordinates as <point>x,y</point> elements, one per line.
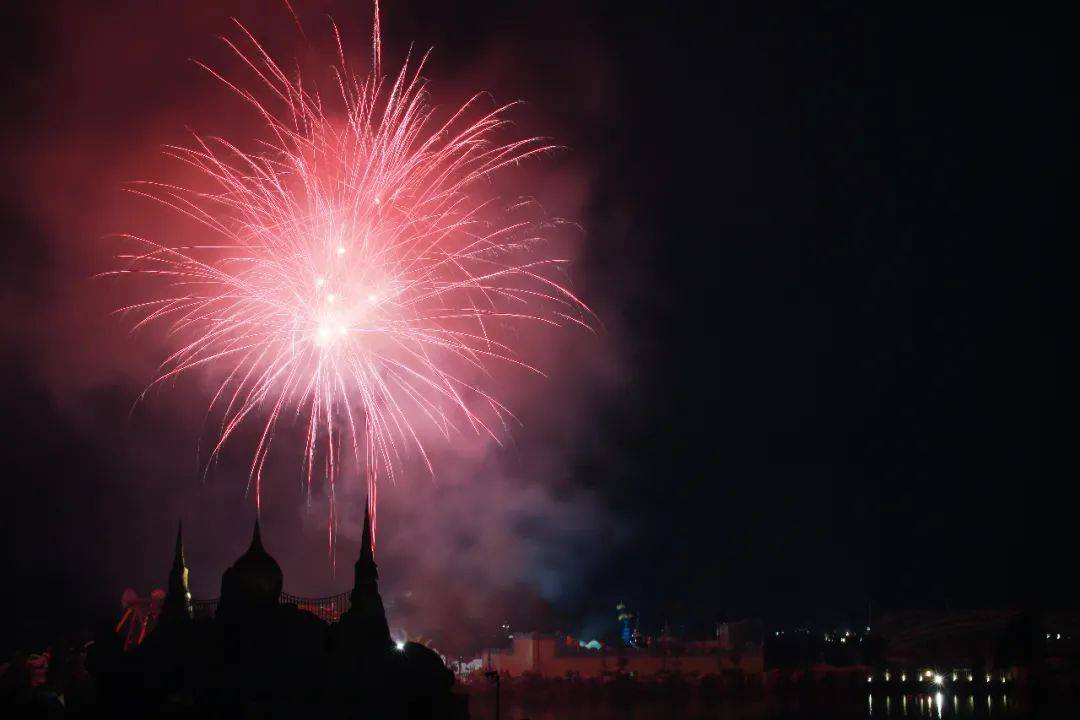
<point>258,656</point>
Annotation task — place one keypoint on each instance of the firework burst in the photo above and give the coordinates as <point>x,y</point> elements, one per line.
<point>358,270</point>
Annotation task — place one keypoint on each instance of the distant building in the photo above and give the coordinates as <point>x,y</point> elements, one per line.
<point>980,639</point>
<point>739,636</point>
<point>552,656</point>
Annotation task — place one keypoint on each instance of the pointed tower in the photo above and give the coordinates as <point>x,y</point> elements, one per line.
<point>364,623</point>
<point>366,572</point>
<point>253,582</point>
<point>256,539</point>
<point>177,604</point>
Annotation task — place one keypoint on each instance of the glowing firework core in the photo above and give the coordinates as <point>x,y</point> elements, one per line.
<point>356,276</point>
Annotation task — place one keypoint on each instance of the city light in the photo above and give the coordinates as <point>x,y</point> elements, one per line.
<point>400,645</point>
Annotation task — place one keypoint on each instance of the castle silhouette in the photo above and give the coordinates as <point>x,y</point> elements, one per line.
<point>259,657</point>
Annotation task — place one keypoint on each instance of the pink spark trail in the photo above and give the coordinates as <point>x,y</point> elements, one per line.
<point>358,269</point>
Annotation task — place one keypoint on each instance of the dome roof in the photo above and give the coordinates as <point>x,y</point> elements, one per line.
<point>255,578</point>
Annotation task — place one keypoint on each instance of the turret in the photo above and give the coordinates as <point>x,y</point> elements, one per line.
<point>365,620</point>
<point>253,581</point>
<point>177,603</point>
<point>366,572</point>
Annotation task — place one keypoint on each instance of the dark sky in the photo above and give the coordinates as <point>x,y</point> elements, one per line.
<point>824,245</point>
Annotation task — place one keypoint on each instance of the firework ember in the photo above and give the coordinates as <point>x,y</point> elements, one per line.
<point>358,268</point>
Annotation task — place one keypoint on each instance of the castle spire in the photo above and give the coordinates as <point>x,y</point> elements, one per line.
<point>178,552</point>
<point>256,538</point>
<point>367,572</point>
<point>365,620</point>
<point>177,604</point>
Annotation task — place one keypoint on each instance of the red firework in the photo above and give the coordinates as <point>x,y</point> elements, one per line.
<point>357,269</point>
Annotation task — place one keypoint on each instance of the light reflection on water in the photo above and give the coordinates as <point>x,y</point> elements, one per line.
<point>937,706</point>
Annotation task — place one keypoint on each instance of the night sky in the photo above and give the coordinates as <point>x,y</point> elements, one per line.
<point>834,367</point>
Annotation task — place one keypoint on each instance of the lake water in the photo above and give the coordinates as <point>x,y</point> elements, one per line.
<point>930,707</point>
